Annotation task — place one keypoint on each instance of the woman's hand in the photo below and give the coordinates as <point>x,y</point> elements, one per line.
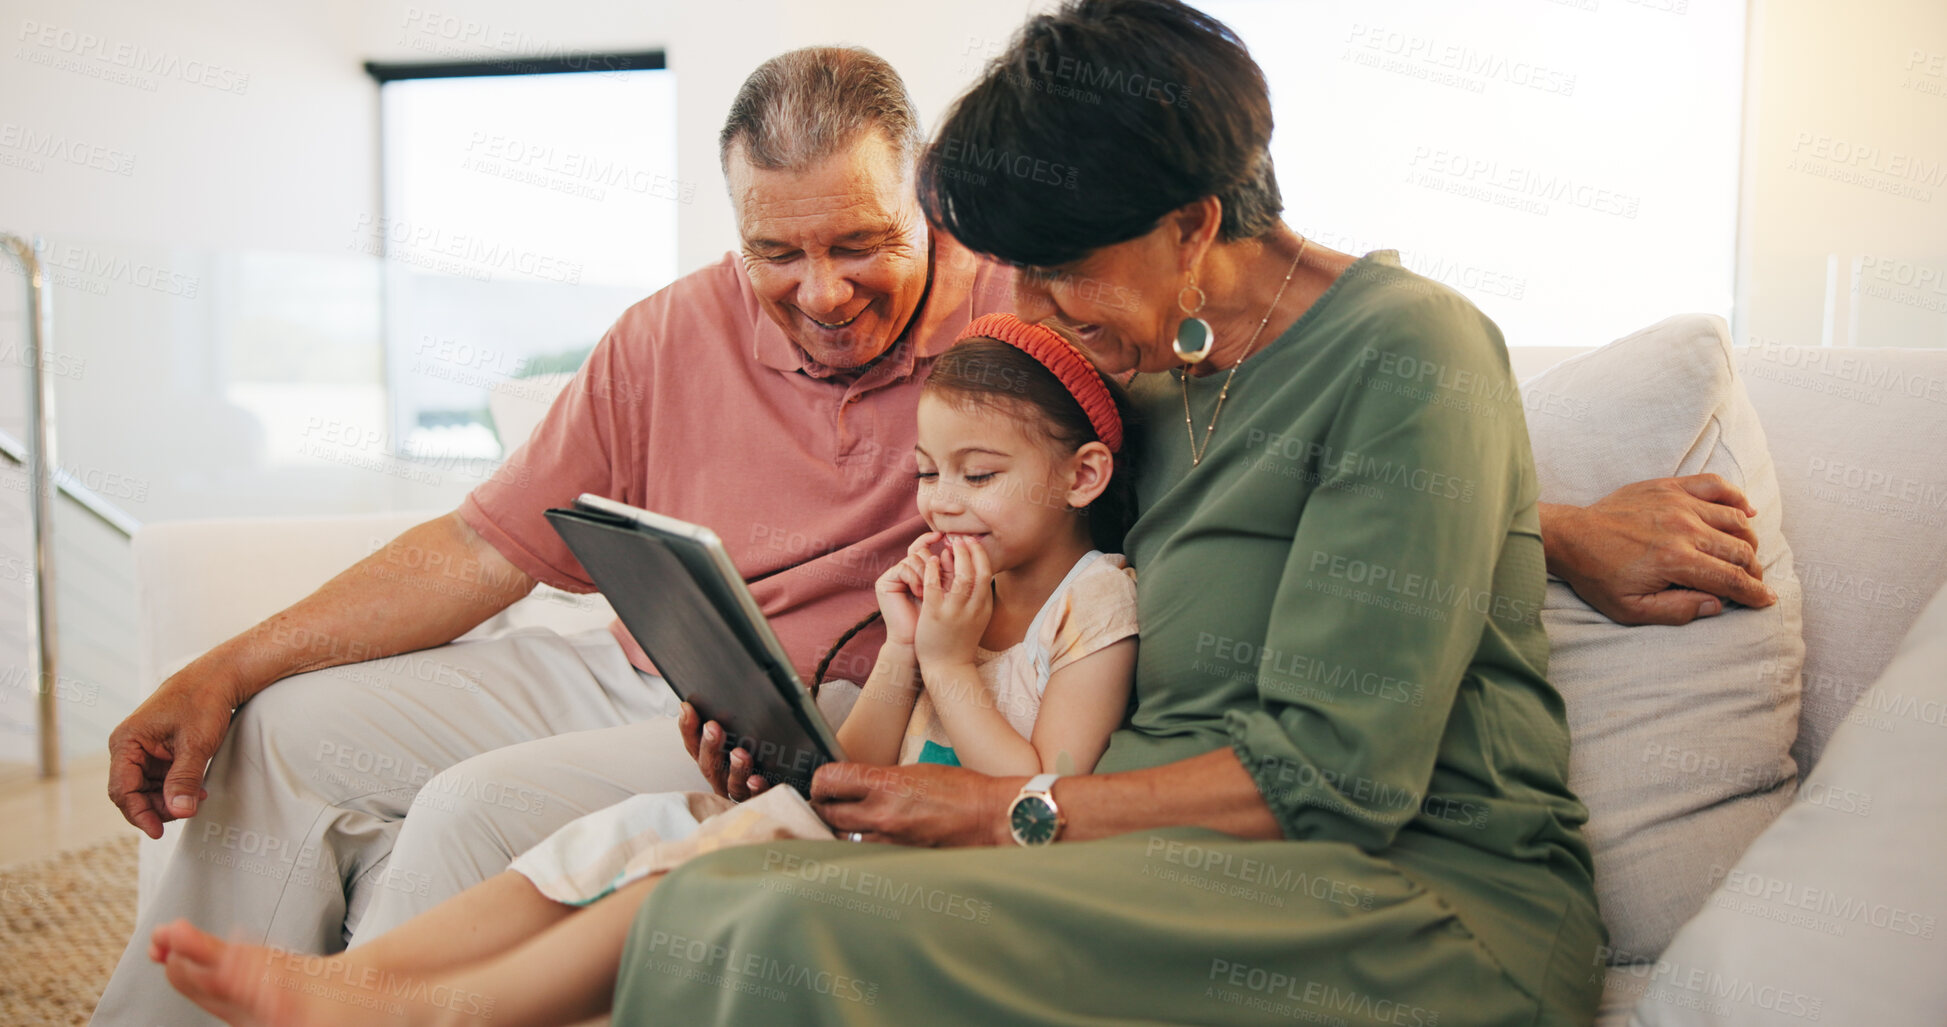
<point>953,615</point>
<point>923,804</point>
<point>900,589</point>
<point>729,776</point>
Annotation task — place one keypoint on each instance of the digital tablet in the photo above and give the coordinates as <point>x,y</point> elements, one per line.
<point>675,589</point>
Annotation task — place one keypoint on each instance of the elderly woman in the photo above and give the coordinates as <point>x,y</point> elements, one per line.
<point>1342,793</point>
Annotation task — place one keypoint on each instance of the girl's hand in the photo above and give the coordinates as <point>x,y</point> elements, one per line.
<point>900,588</point>
<point>952,617</point>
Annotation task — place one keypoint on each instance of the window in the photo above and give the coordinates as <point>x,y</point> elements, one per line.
<point>522,213</point>
<point>1570,165</point>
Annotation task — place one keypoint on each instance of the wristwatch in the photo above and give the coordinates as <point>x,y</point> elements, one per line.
<point>1034,819</point>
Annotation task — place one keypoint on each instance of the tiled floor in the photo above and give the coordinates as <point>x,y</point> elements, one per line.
<point>40,818</point>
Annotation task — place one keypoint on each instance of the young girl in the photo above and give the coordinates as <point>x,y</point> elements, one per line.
<point>1009,651</point>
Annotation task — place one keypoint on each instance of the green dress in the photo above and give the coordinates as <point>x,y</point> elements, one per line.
<point>1345,592</point>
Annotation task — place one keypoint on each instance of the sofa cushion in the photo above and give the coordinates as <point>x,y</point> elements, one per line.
<point>1835,914</point>
<point>1861,441</point>
<point>1680,736</point>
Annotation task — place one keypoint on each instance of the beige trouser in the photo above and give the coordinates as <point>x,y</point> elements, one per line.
<point>344,801</point>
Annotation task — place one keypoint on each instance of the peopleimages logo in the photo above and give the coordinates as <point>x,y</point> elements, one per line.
<point>1020,165</point>
<point>71,264</point>
<point>1867,157</point>
<point>471,255</point>
<point>1422,57</point>
<point>63,147</point>
<point>90,54</point>
<point>1430,590</point>
<point>1531,189</point>
<point>1847,909</point>
<point>1109,79</point>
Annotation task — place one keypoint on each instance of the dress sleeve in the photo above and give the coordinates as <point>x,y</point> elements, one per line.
<point>1099,611</point>
<point>582,445</point>
<point>1392,578</point>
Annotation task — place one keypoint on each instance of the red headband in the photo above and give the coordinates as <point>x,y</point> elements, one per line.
<point>1067,364</point>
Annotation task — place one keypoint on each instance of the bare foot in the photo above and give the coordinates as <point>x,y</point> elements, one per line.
<point>213,973</point>
<point>254,986</point>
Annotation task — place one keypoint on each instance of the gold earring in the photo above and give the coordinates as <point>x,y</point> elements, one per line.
<point>1193,334</point>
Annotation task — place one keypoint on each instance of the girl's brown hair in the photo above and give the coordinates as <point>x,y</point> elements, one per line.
<point>982,371</point>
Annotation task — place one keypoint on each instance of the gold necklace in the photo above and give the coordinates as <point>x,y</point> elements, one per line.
<point>1196,451</point>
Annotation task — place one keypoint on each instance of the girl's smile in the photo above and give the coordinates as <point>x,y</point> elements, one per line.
<point>985,478</point>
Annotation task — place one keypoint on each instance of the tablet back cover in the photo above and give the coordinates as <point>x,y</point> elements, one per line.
<point>696,644</point>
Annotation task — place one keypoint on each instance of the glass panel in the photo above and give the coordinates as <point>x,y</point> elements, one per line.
<point>1898,301</point>
<point>519,222</point>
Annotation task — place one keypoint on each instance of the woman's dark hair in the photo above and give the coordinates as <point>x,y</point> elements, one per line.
<point>988,372</point>
<point>1098,120</point>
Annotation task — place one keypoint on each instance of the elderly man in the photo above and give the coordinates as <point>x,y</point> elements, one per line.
<point>769,396</point>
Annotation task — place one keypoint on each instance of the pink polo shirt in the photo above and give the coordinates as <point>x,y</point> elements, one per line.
<point>696,405</point>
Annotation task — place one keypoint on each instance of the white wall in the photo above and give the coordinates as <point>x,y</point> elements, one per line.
<point>288,159</point>
<point>202,199</point>
<point>248,128</point>
<point>281,164</point>
<point>1852,90</point>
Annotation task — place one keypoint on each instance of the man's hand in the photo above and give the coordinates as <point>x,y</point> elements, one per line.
<point>1663,551</point>
<point>729,774</point>
<point>373,610</point>
<point>157,756</point>
<point>924,804</point>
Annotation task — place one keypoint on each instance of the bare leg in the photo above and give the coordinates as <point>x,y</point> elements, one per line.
<point>485,920</point>
<point>563,975</point>
<point>567,973</point>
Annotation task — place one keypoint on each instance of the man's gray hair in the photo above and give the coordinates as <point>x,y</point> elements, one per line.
<point>800,107</point>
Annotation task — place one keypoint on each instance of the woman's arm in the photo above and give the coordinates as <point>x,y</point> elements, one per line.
<point>928,804</point>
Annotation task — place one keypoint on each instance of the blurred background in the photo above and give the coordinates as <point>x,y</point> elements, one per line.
<point>296,247</point>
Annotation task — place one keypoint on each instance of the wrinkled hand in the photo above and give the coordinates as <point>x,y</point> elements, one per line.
<point>923,804</point>
<point>901,588</point>
<point>954,614</point>
<point>157,756</point>
<point>729,775</point>
<point>1662,551</point>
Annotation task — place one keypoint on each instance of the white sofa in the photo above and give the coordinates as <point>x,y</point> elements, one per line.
<point>1831,416</point>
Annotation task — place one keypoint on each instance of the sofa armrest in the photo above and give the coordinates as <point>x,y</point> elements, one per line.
<point>198,583</point>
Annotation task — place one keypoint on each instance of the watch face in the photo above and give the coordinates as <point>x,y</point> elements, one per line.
<point>1033,821</point>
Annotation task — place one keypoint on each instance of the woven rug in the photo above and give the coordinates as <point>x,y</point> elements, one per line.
<point>64,921</point>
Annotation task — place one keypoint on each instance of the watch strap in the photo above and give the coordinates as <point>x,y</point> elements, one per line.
<point>1039,783</point>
